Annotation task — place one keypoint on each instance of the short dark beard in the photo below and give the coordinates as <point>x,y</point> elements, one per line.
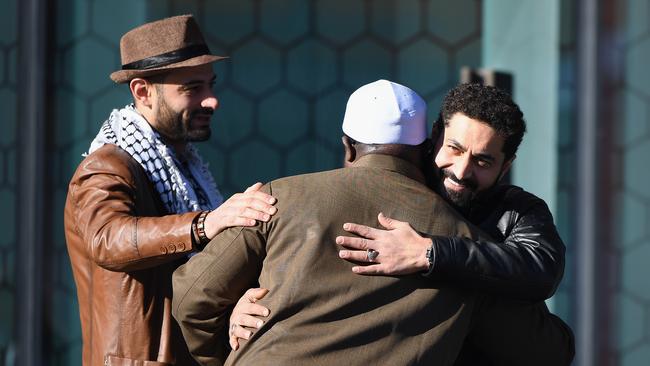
<point>462,201</point>
<point>175,127</point>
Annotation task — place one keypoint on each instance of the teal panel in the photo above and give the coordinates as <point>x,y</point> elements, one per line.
<point>283,117</point>
<point>340,20</point>
<point>250,74</point>
<point>365,62</point>
<point>233,121</point>
<point>396,21</point>
<point>70,112</point>
<point>227,21</point>
<point>274,15</point>
<point>8,108</point>
<point>635,271</point>
<point>265,160</point>
<point>422,66</point>
<point>8,217</point>
<point>310,157</point>
<point>8,24</point>
<point>636,176</point>
<point>636,357</point>
<point>637,75</point>
<point>86,66</point>
<point>632,325</point>
<point>312,67</point>
<point>7,299</point>
<point>75,24</point>
<point>330,110</point>
<point>454,21</point>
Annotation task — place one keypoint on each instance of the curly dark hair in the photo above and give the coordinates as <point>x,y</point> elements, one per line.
<point>491,106</point>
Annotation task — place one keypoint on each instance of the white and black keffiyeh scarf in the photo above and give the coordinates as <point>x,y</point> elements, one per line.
<point>127,129</point>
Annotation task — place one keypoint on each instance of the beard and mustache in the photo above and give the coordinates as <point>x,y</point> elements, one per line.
<point>462,199</point>
<point>177,126</point>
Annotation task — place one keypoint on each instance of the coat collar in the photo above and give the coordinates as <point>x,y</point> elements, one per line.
<point>391,163</point>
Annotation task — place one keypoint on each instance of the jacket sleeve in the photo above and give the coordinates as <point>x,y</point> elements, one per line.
<point>103,197</point>
<point>507,332</point>
<point>210,283</point>
<point>527,265</point>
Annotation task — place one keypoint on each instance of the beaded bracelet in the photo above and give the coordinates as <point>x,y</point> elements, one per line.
<point>200,228</point>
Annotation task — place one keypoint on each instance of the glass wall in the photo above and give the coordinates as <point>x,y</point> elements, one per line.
<point>8,174</point>
<point>282,93</point>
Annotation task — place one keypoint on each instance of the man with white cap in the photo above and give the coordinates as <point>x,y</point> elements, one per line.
<point>322,313</point>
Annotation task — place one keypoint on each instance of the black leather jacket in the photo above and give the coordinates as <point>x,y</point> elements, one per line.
<point>524,262</point>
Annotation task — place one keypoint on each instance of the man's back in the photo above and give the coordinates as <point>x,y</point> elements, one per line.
<point>323,313</point>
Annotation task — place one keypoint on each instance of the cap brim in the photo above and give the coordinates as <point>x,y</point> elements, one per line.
<point>123,76</point>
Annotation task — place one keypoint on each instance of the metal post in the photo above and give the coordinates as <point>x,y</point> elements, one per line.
<point>30,208</point>
<point>587,91</point>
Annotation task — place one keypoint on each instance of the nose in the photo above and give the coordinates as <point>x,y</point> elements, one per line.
<point>210,101</point>
<point>463,167</point>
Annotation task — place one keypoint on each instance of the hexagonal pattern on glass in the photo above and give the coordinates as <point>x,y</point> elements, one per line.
<point>8,23</point>
<point>215,158</point>
<point>637,356</point>
<point>395,21</point>
<point>365,62</point>
<point>3,62</point>
<point>284,21</point>
<point>12,60</point>
<point>101,107</point>
<point>228,21</point>
<point>454,21</point>
<point>8,108</point>
<point>637,19</point>
<point>311,67</point>
<point>76,21</point>
<point>70,112</point>
<point>253,162</point>
<point>631,322</point>
<point>283,117</point>
<point>7,299</point>
<point>420,66</point>
<point>635,272</point>
<point>637,74</point>
<point>339,20</point>
<point>233,120</point>
<point>65,326</point>
<point>86,66</point>
<point>310,156</point>
<point>111,21</point>
<point>634,219</point>
<point>468,55</point>
<point>329,111</point>
<point>8,217</point>
<point>256,67</point>
<point>637,179</point>
<point>635,123</point>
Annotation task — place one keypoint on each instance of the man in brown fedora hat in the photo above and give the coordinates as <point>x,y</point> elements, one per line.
<point>143,200</point>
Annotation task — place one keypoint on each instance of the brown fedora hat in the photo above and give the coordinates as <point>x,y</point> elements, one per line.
<point>158,46</point>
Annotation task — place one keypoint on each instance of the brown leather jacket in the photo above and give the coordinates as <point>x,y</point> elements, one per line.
<point>124,248</point>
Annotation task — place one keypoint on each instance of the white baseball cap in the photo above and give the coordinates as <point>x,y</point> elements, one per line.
<point>384,112</point>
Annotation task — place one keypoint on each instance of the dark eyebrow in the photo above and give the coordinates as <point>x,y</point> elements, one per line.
<point>482,156</point>
<point>198,81</point>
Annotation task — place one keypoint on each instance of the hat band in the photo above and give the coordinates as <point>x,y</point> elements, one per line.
<point>168,58</point>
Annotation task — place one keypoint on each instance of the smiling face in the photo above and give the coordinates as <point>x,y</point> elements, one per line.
<point>184,105</point>
<point>469,159</point>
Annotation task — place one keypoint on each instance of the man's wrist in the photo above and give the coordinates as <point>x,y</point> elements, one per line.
<point>429,255</point>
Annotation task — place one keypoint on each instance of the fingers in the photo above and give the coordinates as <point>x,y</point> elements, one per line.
<point>374,269</point>
<point>389,223</point>
<point>356,255</point>
<point>233,340</point>
<point>362,230</point>
<point>254,187</point>
<point>255,294</point>
<point>353,242</point>
<point>245,320</point>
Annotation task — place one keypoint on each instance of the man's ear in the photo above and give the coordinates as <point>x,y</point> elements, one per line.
<point>142,91</point>
<point>350,151</point>
<point>506,167</point>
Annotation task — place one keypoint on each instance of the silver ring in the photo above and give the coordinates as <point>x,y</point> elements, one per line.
<point>372,255</point>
